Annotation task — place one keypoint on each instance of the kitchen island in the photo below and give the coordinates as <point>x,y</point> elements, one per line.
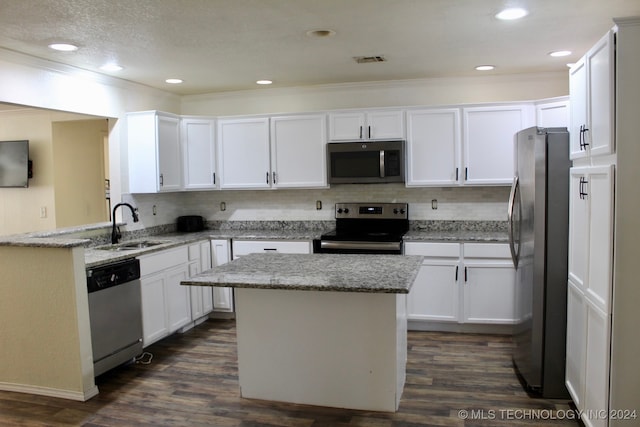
<point>320,329</point>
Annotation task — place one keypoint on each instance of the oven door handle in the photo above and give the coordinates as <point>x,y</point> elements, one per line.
<point>381,163</point>
<point>375,246</point>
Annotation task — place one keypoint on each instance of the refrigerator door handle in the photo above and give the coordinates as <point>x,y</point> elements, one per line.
<point>515,252</point>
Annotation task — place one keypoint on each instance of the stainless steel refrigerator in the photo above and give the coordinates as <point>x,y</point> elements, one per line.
<point>538,214</point>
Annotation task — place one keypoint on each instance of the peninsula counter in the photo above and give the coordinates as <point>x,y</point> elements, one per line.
<point>320,329</point>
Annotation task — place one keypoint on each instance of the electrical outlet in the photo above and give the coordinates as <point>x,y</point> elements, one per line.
<point>155,210</point>
<point>434,204</point>
<point>43,211</point>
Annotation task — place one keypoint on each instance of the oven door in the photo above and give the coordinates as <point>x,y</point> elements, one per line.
<point>365,162</point>
<point>356,247</point>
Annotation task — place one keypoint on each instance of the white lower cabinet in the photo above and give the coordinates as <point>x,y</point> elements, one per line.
<point>245,247</point>
<point>462,283</point>
<point>222,297</point>
<point>166,305</point>
<point>201,296</point>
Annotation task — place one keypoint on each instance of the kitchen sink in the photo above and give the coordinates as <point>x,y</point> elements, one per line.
<point>130,246</point>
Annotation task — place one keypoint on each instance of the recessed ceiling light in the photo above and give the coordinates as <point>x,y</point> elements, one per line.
<point>485,67</point>
<point>63,47</point>
<point>111,67</point>
<point>512,13</point>
<point>174,81</point>
<point>321,33</point>
<point>559,53</point>
<point>264,82</point>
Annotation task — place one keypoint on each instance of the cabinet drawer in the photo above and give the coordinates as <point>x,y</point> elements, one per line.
<point>245,247</point>
<point>449,250</point>
<point>194,252</point>
<point>486,250</point>
<point>159,261</point>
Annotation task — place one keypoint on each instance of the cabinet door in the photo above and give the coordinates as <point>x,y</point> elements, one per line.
<point>178,298</point>
<point>489,134</point>
<point>169,156</point>
<point>298,157</point>
<point>578,114</point>
<point>578,227</point>
<point>489,292</point>
<point>596,395</point>
<point>155,324</point>
<point>388,124</point>
<point>222,297</point>
<point>600,89</point>
<point>576,344</point>
<point>599,189</point>
<point>552,114</point>
<point>243,150</point>
<point>207,291</point>
<point>434,294</point>
<point>433,145</point>
<point>346,126</point>
<point>198,148</point>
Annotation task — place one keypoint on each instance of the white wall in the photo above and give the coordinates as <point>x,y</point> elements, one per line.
<point>439,91</point>
<point>38,83</point>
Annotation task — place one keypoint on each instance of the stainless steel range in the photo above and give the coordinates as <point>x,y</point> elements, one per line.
<point>366,228</point>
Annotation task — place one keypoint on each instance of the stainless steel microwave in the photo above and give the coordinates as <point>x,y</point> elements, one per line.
<point>365,162</point>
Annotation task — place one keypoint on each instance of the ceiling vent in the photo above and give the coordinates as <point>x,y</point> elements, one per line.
<point>369,59</point>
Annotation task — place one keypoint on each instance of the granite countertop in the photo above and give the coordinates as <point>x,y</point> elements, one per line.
<point>456,236</point>
<point>315,272</point>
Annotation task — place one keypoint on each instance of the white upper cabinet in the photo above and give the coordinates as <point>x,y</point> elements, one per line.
<point>298,157</point>
<point>553,114</point>
<point>198,153</point>
<point>243,152</point>
<point>433,147</point>
<point>591,87</point>
<point>489,134</point>
<point>357,125</point>
<point>155,161</point>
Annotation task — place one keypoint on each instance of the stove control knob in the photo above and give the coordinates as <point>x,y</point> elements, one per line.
<point>395,211</point>
<point>402,211</point>
<point>346,210</point>
<point>339,210</point>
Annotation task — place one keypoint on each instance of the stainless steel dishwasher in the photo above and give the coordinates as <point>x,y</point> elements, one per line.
<point>115,312</point>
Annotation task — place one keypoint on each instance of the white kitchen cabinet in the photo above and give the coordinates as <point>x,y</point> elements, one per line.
<point>489,284</point>
<point>433,147</point>
<point>298,158</point>
<point>435,292</point>
<point>591,88</point>
<point>470,283</point>
<point>222,297</point>
<point>198,153</point>
<point>245,247</point>
<point>243,152</point>
<point>155,160</point>
<point>366,125</point>
<point>576,343</point>
<point>591,232</point>
<point>166,305</point>
<point>553,113</point>
<point>488,142</point>
<point>201,296</point>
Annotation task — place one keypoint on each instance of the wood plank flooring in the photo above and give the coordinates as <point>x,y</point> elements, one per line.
<point>192,381</point>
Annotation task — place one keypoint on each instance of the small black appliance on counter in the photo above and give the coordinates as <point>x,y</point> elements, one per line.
<point>190,223</point>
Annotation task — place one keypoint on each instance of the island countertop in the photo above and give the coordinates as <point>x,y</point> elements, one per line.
<point>315,272</point>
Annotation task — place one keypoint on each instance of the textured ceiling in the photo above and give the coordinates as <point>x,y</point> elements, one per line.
<point>222,45</point>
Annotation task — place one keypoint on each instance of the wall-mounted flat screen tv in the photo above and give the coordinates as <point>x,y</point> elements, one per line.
<point>14,163</point>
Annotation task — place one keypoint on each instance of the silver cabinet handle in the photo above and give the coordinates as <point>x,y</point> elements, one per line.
<point>267,177</point>
<point>273,177</point>
<point>161,180</point>
<point>381,163</point>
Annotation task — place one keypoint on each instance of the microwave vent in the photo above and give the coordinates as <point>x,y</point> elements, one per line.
<point>369,59</point>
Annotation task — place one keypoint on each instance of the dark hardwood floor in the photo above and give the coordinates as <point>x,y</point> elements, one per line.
<point>192,381</point>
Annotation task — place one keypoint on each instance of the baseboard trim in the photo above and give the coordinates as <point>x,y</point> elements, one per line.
<point>466,328</point>
<point>50,392</point>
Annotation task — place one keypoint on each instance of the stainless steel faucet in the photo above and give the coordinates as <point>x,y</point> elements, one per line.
<point>115,231</point>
